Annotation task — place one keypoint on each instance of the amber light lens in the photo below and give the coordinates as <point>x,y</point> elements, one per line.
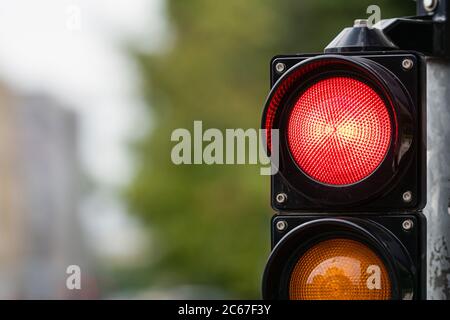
<point>339,269</point>
<point>339,131</point>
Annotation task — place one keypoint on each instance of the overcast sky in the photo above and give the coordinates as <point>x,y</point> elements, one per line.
<point>74,51</point>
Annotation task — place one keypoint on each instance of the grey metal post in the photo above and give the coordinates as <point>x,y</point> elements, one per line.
<point>438,179</point>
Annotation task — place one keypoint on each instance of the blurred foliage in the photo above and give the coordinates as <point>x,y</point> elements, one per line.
<point>210,224</point>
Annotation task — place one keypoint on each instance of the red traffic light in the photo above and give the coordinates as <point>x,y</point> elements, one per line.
<point>339,130</point>
<point>351,131</point>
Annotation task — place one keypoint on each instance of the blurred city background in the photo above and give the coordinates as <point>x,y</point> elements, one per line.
<point>90,91</point>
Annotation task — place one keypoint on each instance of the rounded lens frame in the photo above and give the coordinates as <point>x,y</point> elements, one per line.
<point>399,155</point>
<point>399,265</point>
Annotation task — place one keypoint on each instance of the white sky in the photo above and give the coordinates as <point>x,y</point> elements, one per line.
<point>74,51</point>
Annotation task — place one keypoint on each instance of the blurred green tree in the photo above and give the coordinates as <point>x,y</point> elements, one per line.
<point>210,224</point>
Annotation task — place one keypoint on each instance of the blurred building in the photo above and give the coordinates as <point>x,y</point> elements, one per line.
<point>40,234</point>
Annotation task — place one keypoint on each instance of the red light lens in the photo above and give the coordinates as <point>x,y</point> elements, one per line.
<point>339,131</point>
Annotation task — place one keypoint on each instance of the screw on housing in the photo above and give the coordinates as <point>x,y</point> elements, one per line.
<point>407,225</point>
<point>407,64</point>
<point>281,225</point>
<point>407,196</point>
<point>281,198</point>
<point>430,5</point>
<point>280,67</point>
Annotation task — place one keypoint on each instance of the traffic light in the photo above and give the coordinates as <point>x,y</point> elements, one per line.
<point>352,132</point>
<point>351,178</point>
<point>351,257</point>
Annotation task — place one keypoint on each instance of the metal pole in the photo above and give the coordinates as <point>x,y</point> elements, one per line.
<point>438,179</point>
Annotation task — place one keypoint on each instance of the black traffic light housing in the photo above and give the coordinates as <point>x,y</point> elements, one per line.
<point>387,189</point>
<point>399,239</point>
<point>385,215</point>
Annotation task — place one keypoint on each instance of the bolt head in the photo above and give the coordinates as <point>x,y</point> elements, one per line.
<point>280,67</point>
<point>281,225</point>
<point>407,196</point>
<point>360,23</point>
<point>430,5</point>
<point>407,225</point>
<point>407,64</point>
<point>281,198</point>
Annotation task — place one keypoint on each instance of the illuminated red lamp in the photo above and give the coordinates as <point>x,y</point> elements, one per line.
<point>339,131</point>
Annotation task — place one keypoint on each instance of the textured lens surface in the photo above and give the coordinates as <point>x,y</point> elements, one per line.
<point>339,131</point>
<point>339,269</point>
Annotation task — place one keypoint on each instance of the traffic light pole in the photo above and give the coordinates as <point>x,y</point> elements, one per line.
<point>438,179</point>
<point>429,33</point>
